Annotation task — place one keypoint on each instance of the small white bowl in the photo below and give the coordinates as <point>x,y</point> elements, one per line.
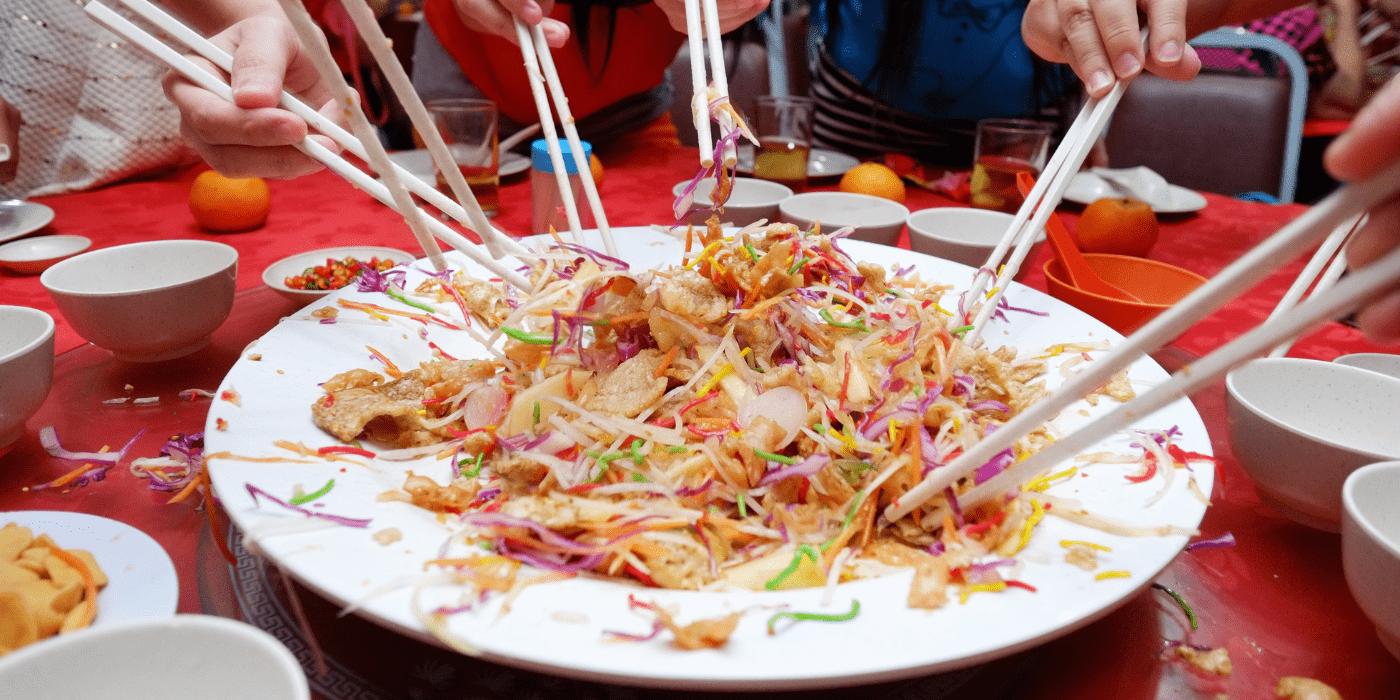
<point>965,235</point>
<point>26,367</point>
<point>1299,427</point>
<point>1371,546</point>
<point>1382,362</point>
<point>30,256</point>
<point>148,301</point>
<point>875,219</point>
<point>276,274</point>
<point>186,657</point>
<point>750,200</point>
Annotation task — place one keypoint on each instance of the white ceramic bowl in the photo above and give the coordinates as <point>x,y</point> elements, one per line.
<point>965,235</point>
<point>26,367</point>
<point>1382,362</point>
<point>1371,546</point>
<point>1299,427</point>
<point>875,219</point>
<point>148,301</point>
<point>186,657</point>
<point>751,200</point>
<point>30,256</point>
<point>276,274</point>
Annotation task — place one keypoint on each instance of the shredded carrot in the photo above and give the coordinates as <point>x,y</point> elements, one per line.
<point>1037,512</point>
<point>390,368</point>
<point>89,585</point>
<point>62,480</point>
<point>184,492</point>
<point>665,362</point>
<point>969,589</point>
<point>1081,543</point>
<point>1111,574</point>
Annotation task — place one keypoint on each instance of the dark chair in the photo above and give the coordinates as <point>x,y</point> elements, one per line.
<point>1228,132</point>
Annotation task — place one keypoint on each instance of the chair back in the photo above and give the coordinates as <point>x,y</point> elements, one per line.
<point>1228,132</point>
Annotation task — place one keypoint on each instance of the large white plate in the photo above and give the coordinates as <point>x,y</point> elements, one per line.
<point>141,578</point>
<point>820,163</point>
<point>559,627</point>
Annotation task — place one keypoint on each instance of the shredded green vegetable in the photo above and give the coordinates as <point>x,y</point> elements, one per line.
<point>400,297</point>
<point>476,469</point>
<point>850,515</point>
<point>817,617</point>
<point>1179,601</point>
<point>531,338</point>
<point>806,550</point>
<point>959,331</point>
<point>309,497</point>
<point>856,325</point>
<point>798,265</point>
<point>772,457</point>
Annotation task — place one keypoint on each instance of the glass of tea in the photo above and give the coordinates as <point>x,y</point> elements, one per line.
<point>1004,148</point>
<point>783,126</point>
<point>471,129</point>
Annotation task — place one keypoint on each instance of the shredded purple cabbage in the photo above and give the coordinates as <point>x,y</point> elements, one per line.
<point>338,519</point>
<point>1225,540</point>
<point>806,467</point>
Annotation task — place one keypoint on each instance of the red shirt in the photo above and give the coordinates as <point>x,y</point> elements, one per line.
<point>643,47</point>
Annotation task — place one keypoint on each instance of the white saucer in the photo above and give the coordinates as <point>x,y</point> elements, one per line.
<point>142,583</point>
<point>23,218</point>
<point>1086,187</point>
<point>820,163</point>
<point>31,256</point>
<point>420,163</point>
<point>276,274</point>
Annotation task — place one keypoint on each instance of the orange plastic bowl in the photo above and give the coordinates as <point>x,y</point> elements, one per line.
<point>1158,284</point>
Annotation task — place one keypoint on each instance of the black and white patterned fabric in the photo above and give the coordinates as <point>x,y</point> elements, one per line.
<point>92,104</point>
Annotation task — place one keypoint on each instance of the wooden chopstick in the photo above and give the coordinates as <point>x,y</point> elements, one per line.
<point>314,44</point>
<point>1289,242</point>
<point>345,139</point>
<point>358,178</point>
<point>1325,252</point>
<point>566,118</point>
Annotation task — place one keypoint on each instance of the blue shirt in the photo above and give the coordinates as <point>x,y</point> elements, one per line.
<point>970,61</point>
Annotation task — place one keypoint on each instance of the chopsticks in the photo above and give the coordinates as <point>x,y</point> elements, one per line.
<point>539,66</point>
<point>497,243</point>
<point>702,19</point>
<point>1325,252</point>
<point>1288,242</point>
<point>1036,209</point>
<point>340,166</point>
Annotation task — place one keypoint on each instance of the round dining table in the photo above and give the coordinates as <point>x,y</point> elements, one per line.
<point>1276,600</point>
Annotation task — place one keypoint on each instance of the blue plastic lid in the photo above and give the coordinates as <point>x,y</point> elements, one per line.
<point>539,152</point>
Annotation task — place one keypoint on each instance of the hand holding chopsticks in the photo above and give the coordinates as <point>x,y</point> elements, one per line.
<point>215,84</point>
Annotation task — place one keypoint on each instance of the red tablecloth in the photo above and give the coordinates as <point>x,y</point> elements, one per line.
<point>1277,600</point>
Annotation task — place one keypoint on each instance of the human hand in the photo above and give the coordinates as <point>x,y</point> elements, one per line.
<point>1101,40</point>
<point>732,13</point>
<point>498,17</point>
<point>9,137</point>
<point>253,137</point>
<point>1372,143</point>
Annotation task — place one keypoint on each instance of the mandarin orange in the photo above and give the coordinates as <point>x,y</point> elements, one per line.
<point>226,205</point>
<point>873,179</point>
<point>1118,225</point>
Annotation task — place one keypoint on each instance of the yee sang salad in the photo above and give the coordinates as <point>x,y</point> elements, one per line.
<point>740,419</point>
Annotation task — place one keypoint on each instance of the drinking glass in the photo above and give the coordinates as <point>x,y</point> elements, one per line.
<point>471,129</point>
<point>783,126</point>
<point>1004,148</point>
